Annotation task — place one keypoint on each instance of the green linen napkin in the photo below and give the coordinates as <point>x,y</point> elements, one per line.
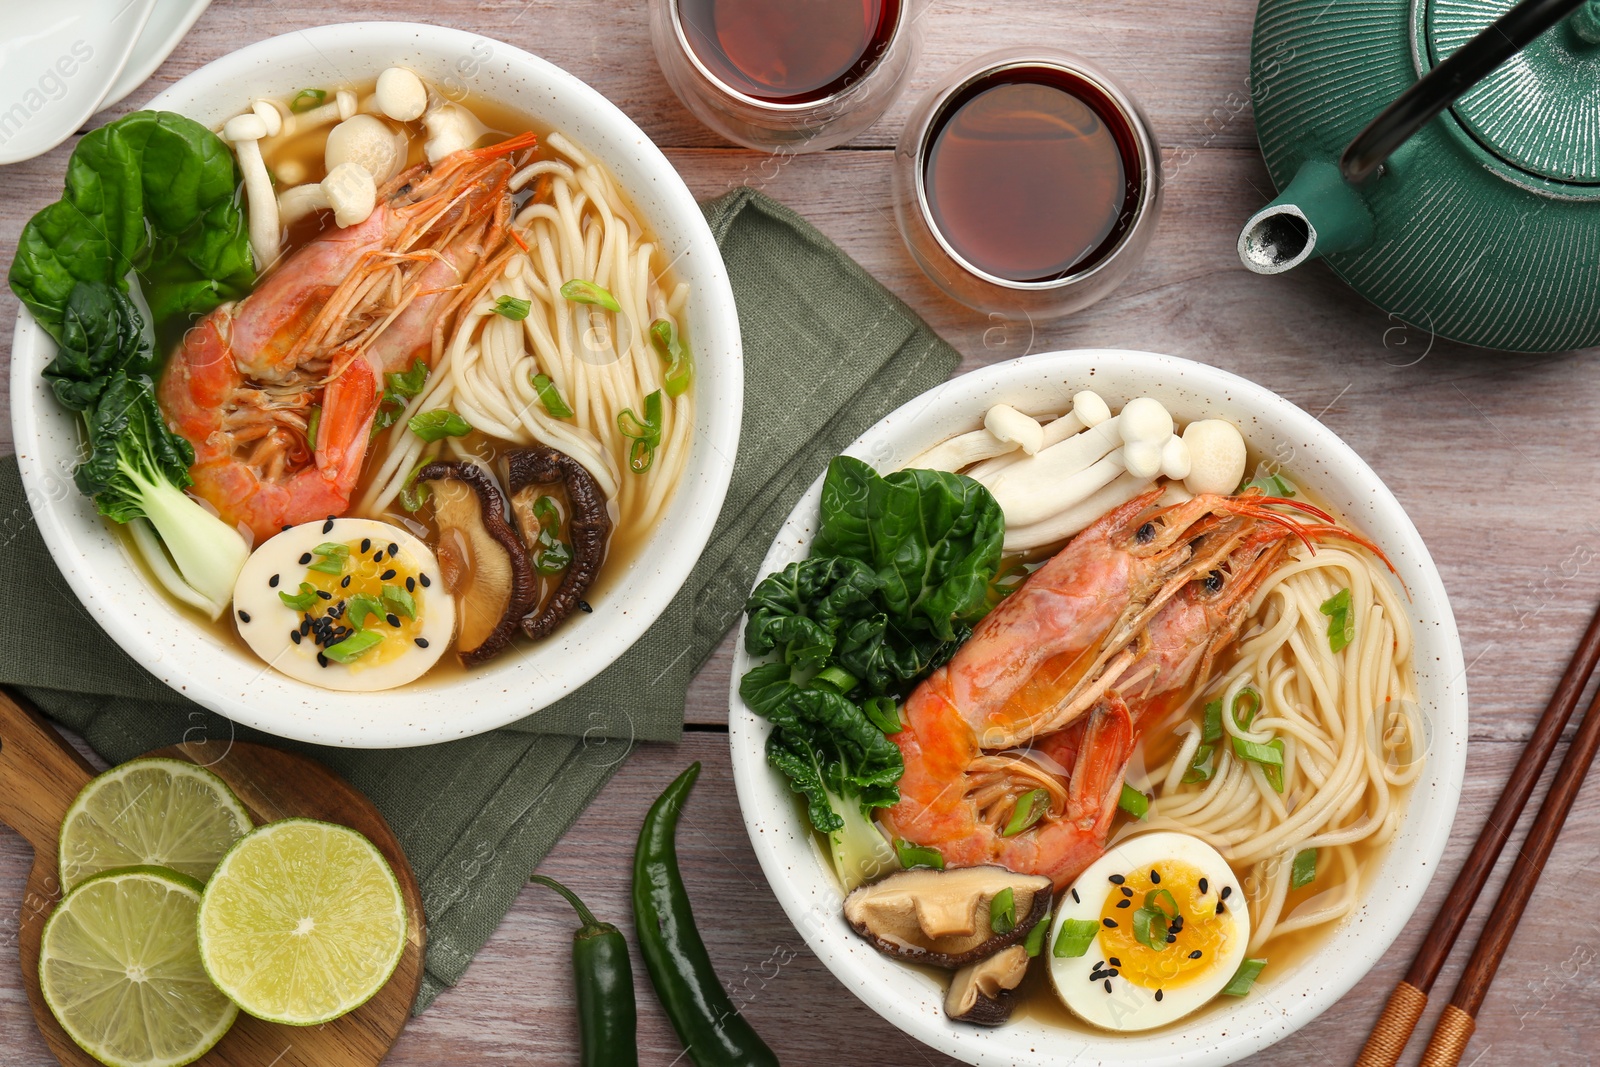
<point>827,352</point>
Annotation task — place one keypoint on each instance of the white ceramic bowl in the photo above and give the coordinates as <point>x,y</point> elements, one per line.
<point>1285,999</point>
<point>227,679</point>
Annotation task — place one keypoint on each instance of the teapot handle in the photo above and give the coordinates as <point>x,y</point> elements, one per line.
<point>1444,84</point>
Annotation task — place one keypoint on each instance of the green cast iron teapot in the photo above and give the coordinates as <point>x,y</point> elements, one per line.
<point>1469,207</point>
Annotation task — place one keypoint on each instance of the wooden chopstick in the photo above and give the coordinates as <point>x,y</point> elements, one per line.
<point>1455,1027</point>
<point>1394,1027</point>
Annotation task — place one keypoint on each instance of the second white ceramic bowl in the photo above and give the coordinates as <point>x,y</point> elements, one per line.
<point>220,674</point>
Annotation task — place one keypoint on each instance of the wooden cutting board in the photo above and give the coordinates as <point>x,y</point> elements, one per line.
<point>40,776</point>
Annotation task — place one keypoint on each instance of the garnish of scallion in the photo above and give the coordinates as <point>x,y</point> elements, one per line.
<point>413,495</point>
<point>645,433</point>
<point>1133,802</point>
<point>313,421</point>
<point>510,307</point>
<point>1075,937</point>
<point>1269,757</point>
<point>555,555</point>
<point>1304,870</point>
<point>399,601</point>
<point>1244,978</point>
<point>911,856</point>
<point>1029,809</point>
<point>357,644</point>
<point>360,606</point>
<point>883,713</point>
<point>1341,621</point>
<point>307,100</point>
<point>301,601</point>
<point>438,424</point>
<point>551,397</point>
<point>680,363</point>
<point>581,292</point>
<point>1003,911</point>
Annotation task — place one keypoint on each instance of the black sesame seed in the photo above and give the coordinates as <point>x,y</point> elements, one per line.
<point>1227,891</point>
<point>394,550</point>
<point>1158,996</point>
<point>1108,985</point>
<point>1127,892</point>
<point>1221,907</point>
<point>1114,962</point>
<point>244,616</point>
<point>344,583</point>
<point>294,635</point>
<point>322,661</point>
<point>273,581</point>
<point>422,642</point>
<point>392,619</point>
<point>1117,879</point>
<point>305,557</point>
<point>1113,973</point>
<point>324,594</point>
<point>1203,887</point>
<point>386,575</point>
<point>366,545</point>
<point>327,527</point>
<point>583,606</point>
<point>1124,903</point>
<point>1155,877</point>
<point>1075,899</point>
<point>1195,954</point>
<point>423,578</point>
<point>305,626</point>
<point>1097,974</point>
<point>377,557</point>
<point>1171,938</point>
<point>1100,966</point>
<point>411,584</point>
<point>1109,923</point>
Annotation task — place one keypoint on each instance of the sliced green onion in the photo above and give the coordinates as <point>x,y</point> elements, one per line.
<point>1074,938</point>
<point>551,397</point>
<point>307,100</point>
<point>1341,623</point>
<point>1244,978</point>
<point>1150,928</point>
<point>358,607</point>
<point>1003,911</point>
<point>1269,756</point>
<point>399,601</point>
<point>1035,940</point>
<point>555,559</point>
<point>1211,726</point>
<point>1272,483</point>
<point>313,421</point>
<point>581,292</point>
<point>328,565</point>
<point>1133,802</point>
<point>1200,768</point>
<point>302,600</point>
<point>1028,810</point>
<point>680,364</point>
<point>644,433</point>
<point>835,678</point>
<point>555,555</point>
<point>438,424</point>
<point>884,713</point>
<point>1304,870</point>
<point>408,383</point>
<point>332,548</point>
<point>413,495</point>
<point>911,856</point>
<point>357,644</point>
<point>1163,901</point>
<point>511,308</point>
<point>1252,705</point>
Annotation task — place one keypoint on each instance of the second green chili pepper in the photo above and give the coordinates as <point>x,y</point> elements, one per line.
<point>607,1016</point>
<point>712,1031</point>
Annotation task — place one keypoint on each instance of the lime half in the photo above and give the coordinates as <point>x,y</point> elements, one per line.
<point>150,811</point>
<point>302,922</point>
<point>121,971</point>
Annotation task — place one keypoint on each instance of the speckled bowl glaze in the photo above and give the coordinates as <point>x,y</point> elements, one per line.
<point>1286,998</point>
<point>223,676</point>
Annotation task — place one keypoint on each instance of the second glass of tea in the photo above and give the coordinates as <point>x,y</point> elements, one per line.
<point>786,76</point>
<point>1027,184</point>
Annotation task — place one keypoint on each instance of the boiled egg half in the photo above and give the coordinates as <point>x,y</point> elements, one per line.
<point>1151,931</point>
<point>347,604</point>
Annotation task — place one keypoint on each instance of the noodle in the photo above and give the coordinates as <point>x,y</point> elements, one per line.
<point>1350,732</point>
<point>577,226</point>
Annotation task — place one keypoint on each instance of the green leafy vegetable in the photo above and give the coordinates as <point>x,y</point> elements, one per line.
<point>1035,939</point>
<point>307,100</point>
<point>1133,802</point>
<point>551,397</point>
<point>1304,870</point>
<point>1341,621</point>
<point>645,433</point>
<point>1269,756</point>
<point>399,601</point>
<point>438,424</point>
<point>1244,978</point>
<point>511,308</point>
<point>1075,938</point>
<point>911,856</point>
<point>152,193</point>
<point>101,331</point>
<point>1003,911</point>
<point>357,644</point>
<point>302,600</point>
<point>581,292</point>
<point>399,387</point>
<point>680,364</point>
<point>1029,809</point>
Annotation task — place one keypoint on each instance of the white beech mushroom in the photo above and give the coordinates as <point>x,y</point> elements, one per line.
<point>369,142</point>
<point>1088,411</point>
<point>1012,427</point>
<point>245,133</point>
<point>401,94</point>
<point>451,128</point>
<point>348,190</point>
<point>1073,520</point>
<point>1175,461</point>
<point>1005,430</point>
<point>1216,457</point>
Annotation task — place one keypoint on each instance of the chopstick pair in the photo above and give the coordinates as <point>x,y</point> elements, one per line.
<point>1410,997</point>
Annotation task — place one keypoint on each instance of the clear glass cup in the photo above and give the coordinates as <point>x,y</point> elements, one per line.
<point>803,123</point>
<point>1054,296</point>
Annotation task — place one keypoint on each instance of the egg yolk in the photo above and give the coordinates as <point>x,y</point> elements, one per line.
<point>370,576</point>
<point>1166,924</point>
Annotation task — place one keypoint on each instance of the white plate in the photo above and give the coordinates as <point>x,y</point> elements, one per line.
<point>220,674</point>
<point>168,23</point>
<point>56,61</point>
<point>1285,999</point>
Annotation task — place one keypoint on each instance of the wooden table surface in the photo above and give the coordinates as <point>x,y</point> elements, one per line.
<point>1488,452</point>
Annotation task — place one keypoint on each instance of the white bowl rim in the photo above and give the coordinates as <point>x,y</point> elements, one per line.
<point>507,690</point>
<point>796,867</point>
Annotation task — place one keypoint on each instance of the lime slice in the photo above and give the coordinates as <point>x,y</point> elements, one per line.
<point>150,811</point>
<point>121,971</point>
<point>302,922</point>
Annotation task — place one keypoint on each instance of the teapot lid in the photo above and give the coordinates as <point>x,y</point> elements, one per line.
<point>1540,111</point>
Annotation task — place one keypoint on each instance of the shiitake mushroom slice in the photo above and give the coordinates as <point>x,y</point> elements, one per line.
<point>481,560</point>
<point>941,918</point>
<point>983,993</point>
<point>541,471</point>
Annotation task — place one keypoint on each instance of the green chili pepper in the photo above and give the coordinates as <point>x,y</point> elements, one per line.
<point>607,1016</point>
<point>710,1027</point>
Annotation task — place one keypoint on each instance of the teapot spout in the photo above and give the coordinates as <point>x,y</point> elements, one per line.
<point>1319,213</point>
